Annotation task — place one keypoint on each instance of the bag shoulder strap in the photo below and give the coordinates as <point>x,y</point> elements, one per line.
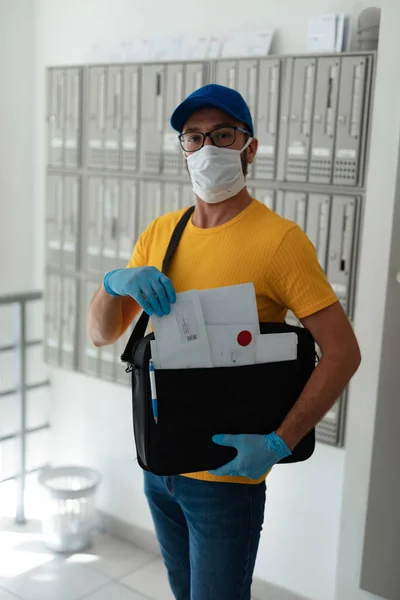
<point>175,238</point>
<point>140,328</point>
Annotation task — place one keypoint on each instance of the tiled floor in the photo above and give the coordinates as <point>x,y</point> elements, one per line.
<point>110,570</point>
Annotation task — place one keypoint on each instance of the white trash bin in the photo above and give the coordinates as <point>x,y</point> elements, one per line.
<point>70,515</point>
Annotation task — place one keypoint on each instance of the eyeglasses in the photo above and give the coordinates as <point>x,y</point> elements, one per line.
<point>221,137</point>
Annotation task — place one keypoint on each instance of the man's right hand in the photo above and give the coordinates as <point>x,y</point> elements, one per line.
<point>150,288</point>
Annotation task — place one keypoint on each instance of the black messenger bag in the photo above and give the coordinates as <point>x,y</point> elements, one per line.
<point>195,404</point>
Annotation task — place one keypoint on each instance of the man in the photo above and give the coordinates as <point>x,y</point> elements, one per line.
<point>209,524</point>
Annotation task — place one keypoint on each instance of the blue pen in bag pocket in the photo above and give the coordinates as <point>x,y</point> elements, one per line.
<point>153,390</point>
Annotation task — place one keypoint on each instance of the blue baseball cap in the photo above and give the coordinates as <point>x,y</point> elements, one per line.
<point>213,96</point>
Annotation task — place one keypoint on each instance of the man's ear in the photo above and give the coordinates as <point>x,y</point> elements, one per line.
<point>252,150</point>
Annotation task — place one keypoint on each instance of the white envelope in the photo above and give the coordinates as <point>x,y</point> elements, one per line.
<point>247,44</point>
<point>154,354</point>
<point>226,345</point>
<point>276,347</point>
<point>181,337</point>
<point>231,305</point>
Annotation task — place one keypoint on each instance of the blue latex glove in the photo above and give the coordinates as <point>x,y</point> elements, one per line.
<point>151,289</point>
<point>256,454</point>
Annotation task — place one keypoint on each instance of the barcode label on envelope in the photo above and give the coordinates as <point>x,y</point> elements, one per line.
<point>187,322</point>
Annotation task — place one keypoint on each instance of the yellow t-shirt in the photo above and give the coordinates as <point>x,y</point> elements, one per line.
<point>256,246</point>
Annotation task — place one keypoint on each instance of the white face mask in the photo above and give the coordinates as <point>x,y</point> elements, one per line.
<point>216,173</point>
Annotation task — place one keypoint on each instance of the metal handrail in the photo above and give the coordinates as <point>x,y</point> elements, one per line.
<point>11,347</point>
<point>28,387</point>
<point>21,300</point>
<point>21,297</point>
<point>12,436</point>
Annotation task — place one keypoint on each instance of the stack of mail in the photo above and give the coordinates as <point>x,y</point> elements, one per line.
<point>216,328</point>
<point>327,33</point>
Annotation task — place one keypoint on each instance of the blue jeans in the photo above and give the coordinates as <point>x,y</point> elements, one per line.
<point>208,533</point>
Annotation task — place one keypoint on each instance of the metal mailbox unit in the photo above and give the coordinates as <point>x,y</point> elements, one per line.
<point>114,164</point>
<point>324,118</point>
<point>332,224</point>
<point>64,117</point>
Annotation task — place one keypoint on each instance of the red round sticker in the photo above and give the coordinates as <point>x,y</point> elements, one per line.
<point>244,338</point>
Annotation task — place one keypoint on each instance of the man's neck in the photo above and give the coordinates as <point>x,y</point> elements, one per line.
<point>207,215</point>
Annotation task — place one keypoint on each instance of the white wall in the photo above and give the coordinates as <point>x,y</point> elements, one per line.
<point>16,118</point>
<point>372,286</point>
<point>91,419</point>
<point>92,425</point>
<point>16,224</point>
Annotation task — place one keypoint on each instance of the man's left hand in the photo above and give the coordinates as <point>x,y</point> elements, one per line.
<point>257,454</point>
